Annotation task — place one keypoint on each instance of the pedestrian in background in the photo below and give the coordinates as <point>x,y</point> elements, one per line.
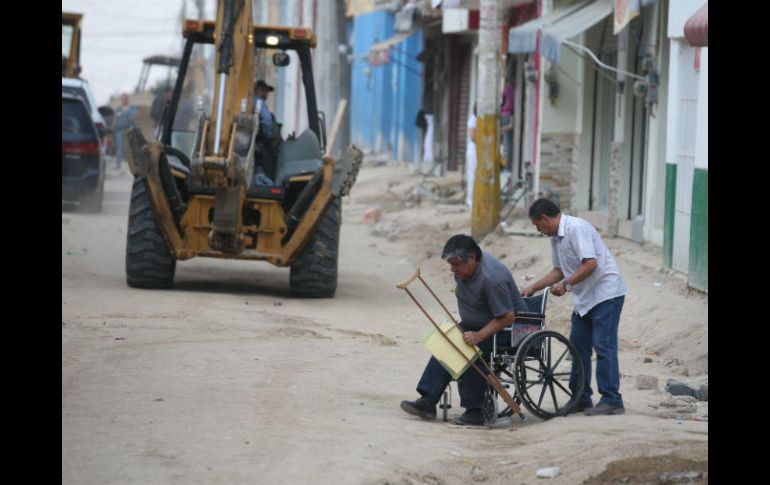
<point>470,158</point>
<point>506,127</point>
<point>125,117</point>
<point>584,267</point>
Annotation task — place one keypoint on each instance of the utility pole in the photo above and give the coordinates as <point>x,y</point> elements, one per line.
<point>343,66</point>
<point>486,185</point>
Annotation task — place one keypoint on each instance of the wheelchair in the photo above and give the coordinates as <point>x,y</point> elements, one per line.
<point>538,363</point>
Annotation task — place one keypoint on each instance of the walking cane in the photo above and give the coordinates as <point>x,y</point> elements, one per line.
<point>490,376</point>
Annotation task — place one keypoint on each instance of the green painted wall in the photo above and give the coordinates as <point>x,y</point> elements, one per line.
<point>668,224</point>
<point>698,275</point>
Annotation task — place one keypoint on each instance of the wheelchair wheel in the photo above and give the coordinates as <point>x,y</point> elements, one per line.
<point>542,372</point>
<point>489,408</point>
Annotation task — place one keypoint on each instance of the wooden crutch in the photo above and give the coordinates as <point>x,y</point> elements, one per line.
<point>489,375</point>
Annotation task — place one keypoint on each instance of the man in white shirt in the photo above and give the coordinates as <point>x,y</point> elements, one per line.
<point>585,268</point>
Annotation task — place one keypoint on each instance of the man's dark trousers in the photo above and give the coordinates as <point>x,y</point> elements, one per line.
<point>598,329</point>
<point>471,384</point>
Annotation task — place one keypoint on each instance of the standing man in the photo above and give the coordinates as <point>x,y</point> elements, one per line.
<point>125,117</point>
<point>488,299</point>
<point>584,267</point>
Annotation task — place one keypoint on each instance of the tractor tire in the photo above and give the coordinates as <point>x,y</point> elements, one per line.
<point>314,272</point>
<point>149,262</point>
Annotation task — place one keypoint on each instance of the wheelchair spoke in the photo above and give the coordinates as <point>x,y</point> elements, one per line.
<point>553,395</point>
<point>533,370</point>
<point>569,393</point>
<point>562,374</point>
<point>542,395</point>
<point>559,361</point>
<point>549,352</point>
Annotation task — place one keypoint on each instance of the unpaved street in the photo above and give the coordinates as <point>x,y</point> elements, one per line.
<point>227,379</point>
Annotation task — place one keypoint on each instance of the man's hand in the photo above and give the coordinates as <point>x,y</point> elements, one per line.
<point>527,291</point>
<point>557,289</point>
<point>471,338</point>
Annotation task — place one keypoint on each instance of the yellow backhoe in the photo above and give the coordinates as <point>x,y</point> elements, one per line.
<point>70,44</point>
<point>215,186</point>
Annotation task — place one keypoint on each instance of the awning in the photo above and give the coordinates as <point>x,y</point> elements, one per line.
<point>696,29</point>
<point>556,27</point>
<point>522,39</point>
<point>570,26</point>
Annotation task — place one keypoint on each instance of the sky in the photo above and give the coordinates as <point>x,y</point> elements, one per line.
<point>118,34</point>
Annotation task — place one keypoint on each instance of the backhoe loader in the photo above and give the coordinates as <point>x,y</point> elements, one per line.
<point>227,191</point>
<point>70,44</point>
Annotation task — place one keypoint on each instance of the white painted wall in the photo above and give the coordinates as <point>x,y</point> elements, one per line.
<point>564,115</point>
<point>589,39</point>
<point>686,122</point>
<point>685,107</point>
<point>678,13</point>
<point>655,176</point>
<point>702,128</point>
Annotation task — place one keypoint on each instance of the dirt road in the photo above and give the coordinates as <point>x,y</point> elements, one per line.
<point>227,379</point>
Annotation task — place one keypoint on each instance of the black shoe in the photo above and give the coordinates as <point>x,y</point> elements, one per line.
<point>471,417</point>
<point>422,407</point>
<point>582,407</point>
<point>603,409</point>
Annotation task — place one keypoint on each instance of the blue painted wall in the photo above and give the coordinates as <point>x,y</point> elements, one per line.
<point>385,99</point>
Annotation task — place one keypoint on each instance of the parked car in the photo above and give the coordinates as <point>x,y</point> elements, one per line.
<point>79,87</point>
<point>82,156</point>
<point>109,141</point>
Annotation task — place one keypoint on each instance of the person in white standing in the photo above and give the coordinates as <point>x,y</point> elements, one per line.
<point>470,158</point>
<point>584,267</point>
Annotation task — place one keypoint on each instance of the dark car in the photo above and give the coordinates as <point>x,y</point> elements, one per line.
<point>82,158</point>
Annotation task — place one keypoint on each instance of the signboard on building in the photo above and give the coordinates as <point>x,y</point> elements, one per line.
<point>456,20</point>
<point>625,11</point>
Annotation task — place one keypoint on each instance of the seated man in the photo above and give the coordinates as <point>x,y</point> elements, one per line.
<point>266,121</point>
<point>266,148</point>
<point>487,299</point>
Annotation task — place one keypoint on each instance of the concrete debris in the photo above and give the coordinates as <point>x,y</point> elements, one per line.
<point>478,474</point>
<point>678,367</point>
<point>676,407</point>
<point>372,214</point>
<point>679,477</point>
<point>676,388</point>
<point>703,393</point>
<point>549,472</point>
<point>645,383</point>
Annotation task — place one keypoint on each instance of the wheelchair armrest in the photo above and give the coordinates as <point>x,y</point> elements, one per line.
<point>528,316</point>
